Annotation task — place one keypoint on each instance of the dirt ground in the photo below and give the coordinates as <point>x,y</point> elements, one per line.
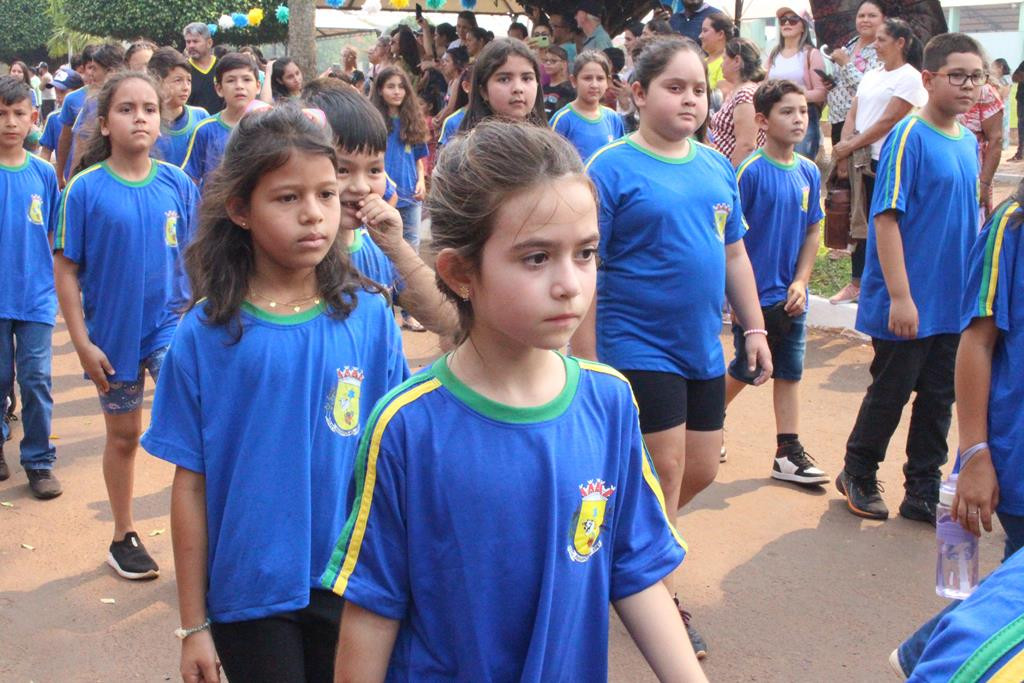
<point>784,583</point>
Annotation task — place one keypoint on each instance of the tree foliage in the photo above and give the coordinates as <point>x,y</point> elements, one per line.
<point>24,28</point>
<point>162,20</point>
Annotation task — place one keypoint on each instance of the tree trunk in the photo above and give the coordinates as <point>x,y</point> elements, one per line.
<point>301,36</point>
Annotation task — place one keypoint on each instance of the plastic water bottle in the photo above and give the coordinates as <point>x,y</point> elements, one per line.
<point>956,568</point>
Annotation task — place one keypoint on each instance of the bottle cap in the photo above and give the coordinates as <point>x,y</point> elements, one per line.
<point>947,491</point>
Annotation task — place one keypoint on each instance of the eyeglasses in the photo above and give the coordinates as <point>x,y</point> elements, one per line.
<point>791,20</point>
<point>959,78</point>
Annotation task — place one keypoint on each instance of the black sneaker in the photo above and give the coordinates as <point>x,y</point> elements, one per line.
<point>700,647</point>
<point>130,559</point>
<point>792,463</point>
<point>5,473</point>
<point>918,509</point>
<point>43,484</point>
<point>862,495</point>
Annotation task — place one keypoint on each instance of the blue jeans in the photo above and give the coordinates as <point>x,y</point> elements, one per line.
<point>411,224</point>
<point>28,347</point>
<point>912,648</point>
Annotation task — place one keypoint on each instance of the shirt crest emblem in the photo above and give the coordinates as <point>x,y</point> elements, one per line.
<point>35,210</point>
<point>585,534</point>
<point>722,212</point>
<point>343,402</point>
<point>171,228</point>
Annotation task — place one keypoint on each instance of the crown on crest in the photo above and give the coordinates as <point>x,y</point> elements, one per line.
<point>351,373</point>
<point>595,490</point>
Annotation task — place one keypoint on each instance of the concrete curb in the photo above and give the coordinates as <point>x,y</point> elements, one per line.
<point>841,318</point>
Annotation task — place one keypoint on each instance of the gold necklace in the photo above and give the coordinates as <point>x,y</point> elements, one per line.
<point>296,305</point>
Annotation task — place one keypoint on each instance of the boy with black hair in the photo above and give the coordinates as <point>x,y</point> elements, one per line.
<point>924,217</point>
<point>518,31</point>
<point>781,196</point>
<point>73,103</point>
<point>236,79</point>
<point>64,81</point>
<point>171,67</point>
<point>28,300</point>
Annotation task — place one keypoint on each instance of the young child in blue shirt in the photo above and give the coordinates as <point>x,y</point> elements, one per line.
<point>236,79</point>
<point>123,223</point>
<point>781,195</point>
<point>73,102</point>
<point>550,488</point>
<point>371,228</point>
<point>28,305</point>
<point>64,81</point>
<point>924,217</point>
<point>180,119</point>
<point>671,250</point>
<point>257,502</point>
<point>450,126</point>
<point>587,124</point>
<point>107,59</point>
<point>989,395</point>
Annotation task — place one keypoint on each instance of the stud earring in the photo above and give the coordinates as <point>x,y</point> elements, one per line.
<point>464,293</point>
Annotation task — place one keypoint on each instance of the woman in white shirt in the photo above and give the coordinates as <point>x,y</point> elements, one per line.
<point>884,97</point>
<point>796,59</point>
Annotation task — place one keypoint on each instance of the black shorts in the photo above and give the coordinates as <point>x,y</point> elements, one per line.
<point>668,400</point>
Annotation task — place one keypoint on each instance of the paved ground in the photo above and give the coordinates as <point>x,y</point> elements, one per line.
<point>784,583</point>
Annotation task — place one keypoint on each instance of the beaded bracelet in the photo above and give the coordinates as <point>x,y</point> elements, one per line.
<point>755,330</point>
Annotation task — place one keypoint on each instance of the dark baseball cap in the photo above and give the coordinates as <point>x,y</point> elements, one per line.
<point>593,7</point>
<point>66,78</point>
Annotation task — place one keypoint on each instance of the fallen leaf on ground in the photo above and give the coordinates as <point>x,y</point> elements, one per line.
<point>155,532</point>
<point>26,546</point>
<point>108,601</point>
<point>7,504</point>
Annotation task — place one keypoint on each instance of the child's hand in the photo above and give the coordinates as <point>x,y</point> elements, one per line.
<point>420,193</point>
<point>383,221</point>
<point>199,661</point>
<point>903,318</point>
<point>977,494</point>
<point>758,354</point>
<point>96,365</point>
<point>796,298</point>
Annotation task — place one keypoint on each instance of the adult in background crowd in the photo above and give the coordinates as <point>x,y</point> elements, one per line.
<point>715,32</point>
<point>454,62</point>
<point>796,59</point>
<point>733,129</point>
<point>1018,78</point>
<point>589,15</point>
<point>1003,84</point>
<point>690,21</point>
<point>563,33</point>
<point>559,91</point>
<point>201,60</point>
<point>463,24</point>
<point>883,98</point>
<point>47,97</point>
<point>852,61</point>
<point>517,30</point>
<point>985,120</point>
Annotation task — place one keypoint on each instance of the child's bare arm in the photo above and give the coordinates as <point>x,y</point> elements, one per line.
<point>189,538</point>
<point>94,361</point>
<point>796,297</point>
<point>652,620</point>
<point>903,317</point>
<point>365,641</point>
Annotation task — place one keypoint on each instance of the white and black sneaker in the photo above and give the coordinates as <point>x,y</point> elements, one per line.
<point>129,558</point>
<point>792,463</point>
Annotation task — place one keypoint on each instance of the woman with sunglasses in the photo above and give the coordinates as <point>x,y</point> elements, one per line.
<point>796,59</point>
<point>885,95</point>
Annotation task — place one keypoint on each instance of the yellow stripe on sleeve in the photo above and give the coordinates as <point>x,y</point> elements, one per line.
<point>62,220</point>
<point>192,140</point>
<point>993,274</point>
<point>1011,672</point>
<point>370,480</point>
<point>648,472</point>
<point>899,162</point>
<point>610,145</point>
<point>746,164</point>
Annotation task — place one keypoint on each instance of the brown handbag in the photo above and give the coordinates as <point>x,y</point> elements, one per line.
<point>837,211</point>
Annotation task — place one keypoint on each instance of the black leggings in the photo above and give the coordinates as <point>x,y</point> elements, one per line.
<point>291,646</point>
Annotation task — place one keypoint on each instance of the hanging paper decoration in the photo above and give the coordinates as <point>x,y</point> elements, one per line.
<point>335,3</point>
<point>282,13</point>
<point>469,4</point>
<point>239,20</point>
<point>255,16</point>
<point>225,22</point>
<point>212,28</point>
<point>399,4</point>
<point>435,4</point>
<point>371,7</point>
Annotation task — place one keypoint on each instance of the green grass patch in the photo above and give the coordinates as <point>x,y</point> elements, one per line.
<point>828,276</point>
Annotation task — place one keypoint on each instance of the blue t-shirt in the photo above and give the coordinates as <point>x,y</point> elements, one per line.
<point>275,488</point>
<point>931,180</point>
<point>69,111</point>
<point>498,535</point>
<point>779,202</point>
<point>982,639</point>
<point>373,263</point>
<point>587,135</point>
<point>51,131</point>
<point>174,138</point>
<point>82,129</point>
<point>127,238</point>
<point>29,199</point>
<point>450,127</point>
<point>206,148</point>
<point>995,289</point>
<point>400,163</point>
<point>661,281</point>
